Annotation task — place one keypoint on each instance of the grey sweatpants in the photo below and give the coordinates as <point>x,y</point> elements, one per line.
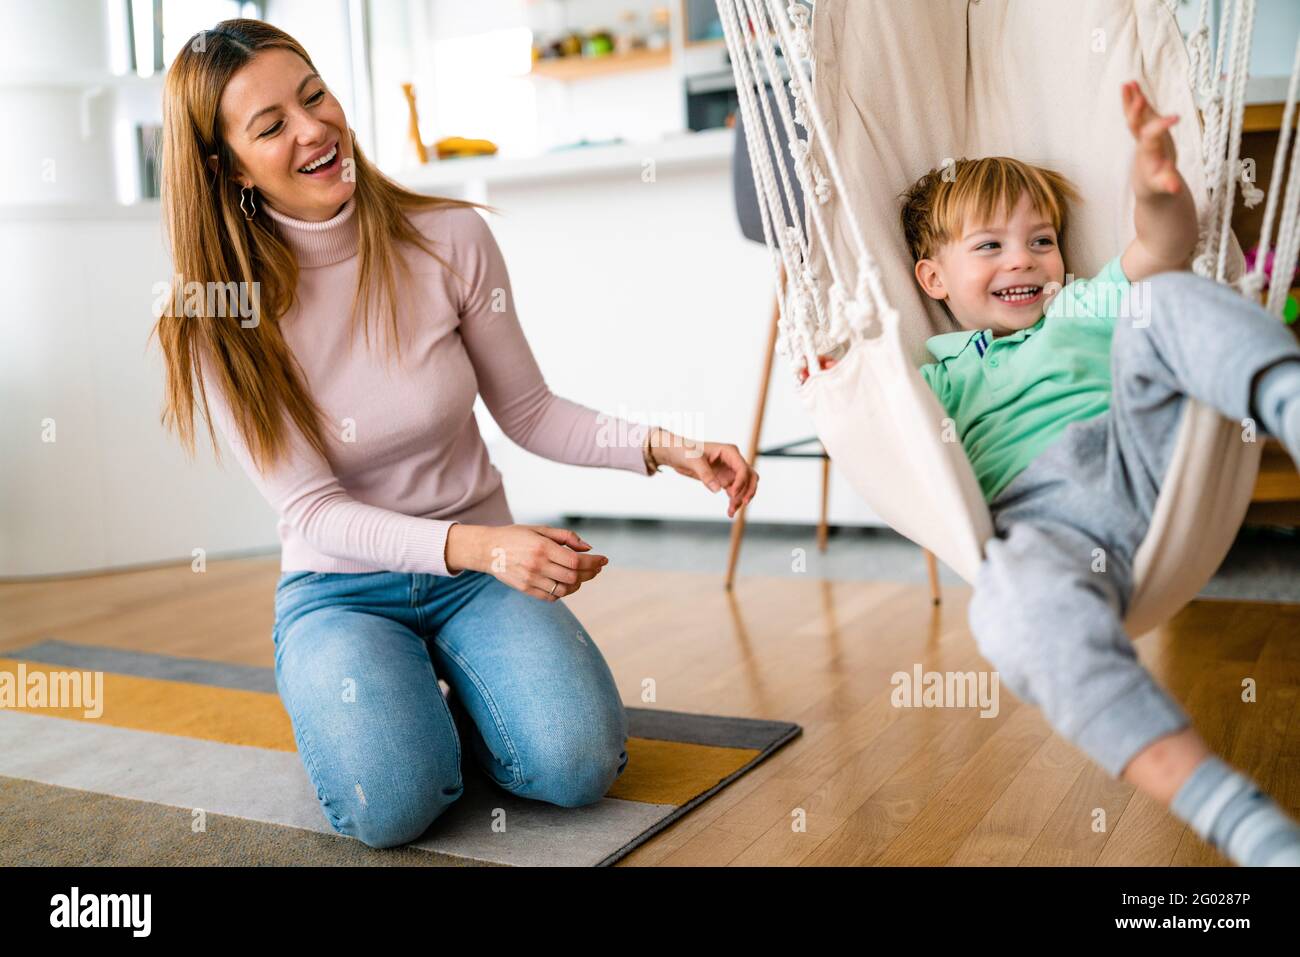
<point>1048,621</point>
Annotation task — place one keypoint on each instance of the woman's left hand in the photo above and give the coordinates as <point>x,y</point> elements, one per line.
<point>717,465</point>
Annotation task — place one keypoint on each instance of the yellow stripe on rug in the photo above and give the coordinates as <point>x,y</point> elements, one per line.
<point>658,771</point>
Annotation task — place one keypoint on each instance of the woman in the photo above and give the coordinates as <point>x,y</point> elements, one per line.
<point>400,562</point>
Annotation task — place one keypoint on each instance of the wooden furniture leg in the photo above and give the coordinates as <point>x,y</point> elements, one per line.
<point>933,565</point>
<point>822,525</point>
<point>738,523</point>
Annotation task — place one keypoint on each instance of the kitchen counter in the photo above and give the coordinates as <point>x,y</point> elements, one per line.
<point>709,147</point>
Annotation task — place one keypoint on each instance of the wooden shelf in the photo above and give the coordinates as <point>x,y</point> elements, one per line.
<point>1264,117</point>
<point>583,67</point>
<point>1261,117</point>
<point>1276,500</point>
<point>1278,479</point>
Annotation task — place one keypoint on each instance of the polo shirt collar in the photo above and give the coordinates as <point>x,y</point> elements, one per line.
<point>949,344</point>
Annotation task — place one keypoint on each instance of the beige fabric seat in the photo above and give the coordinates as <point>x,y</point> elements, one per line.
<point>901,89</point>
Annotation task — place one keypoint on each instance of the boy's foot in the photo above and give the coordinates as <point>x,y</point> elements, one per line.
<point>1226,809</point>
<point>1277,399</point>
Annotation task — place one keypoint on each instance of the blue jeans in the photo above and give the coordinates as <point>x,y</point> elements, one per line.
<point>357,663</point>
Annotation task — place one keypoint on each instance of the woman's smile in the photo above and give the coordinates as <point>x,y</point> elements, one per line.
<point>323,164</point>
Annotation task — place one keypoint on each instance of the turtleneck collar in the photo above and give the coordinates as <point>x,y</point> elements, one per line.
<point>319,244</point>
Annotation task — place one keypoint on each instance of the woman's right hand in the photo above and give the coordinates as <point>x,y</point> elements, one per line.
<point>528,558</point>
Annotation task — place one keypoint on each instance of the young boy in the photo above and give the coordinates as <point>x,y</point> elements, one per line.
<point>1071,468</point>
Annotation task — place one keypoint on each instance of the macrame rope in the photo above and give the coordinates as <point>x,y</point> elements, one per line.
<point>797,148</point>
<point>793,330</point>
<point>774,245</point>
<point>805,170</point>
<point>1288,243</point>
<point>867,263</point>
<point>1253,282</point>
<point>1238,71</point>
<point>1211,143</point>
<point>816,309</point>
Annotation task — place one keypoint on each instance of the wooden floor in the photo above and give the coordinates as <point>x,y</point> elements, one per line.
<point>876,784</point>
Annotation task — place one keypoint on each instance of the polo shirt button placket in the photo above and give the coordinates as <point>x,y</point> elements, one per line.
<point>992,362</point>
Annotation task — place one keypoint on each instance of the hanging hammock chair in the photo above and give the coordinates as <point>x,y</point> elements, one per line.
<point>883,92</point>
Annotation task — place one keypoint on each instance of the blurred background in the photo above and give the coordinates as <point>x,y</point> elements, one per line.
<point>603,131</point>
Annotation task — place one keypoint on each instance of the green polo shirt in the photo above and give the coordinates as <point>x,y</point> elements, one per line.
<point>1012,396</point>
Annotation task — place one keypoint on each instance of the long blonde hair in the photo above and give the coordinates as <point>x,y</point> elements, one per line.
<point>211,241</point>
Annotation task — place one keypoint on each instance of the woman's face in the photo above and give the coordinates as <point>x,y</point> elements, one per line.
<point>278,117</point>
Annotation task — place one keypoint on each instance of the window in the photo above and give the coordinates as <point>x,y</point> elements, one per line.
<point>160,27</point>
<point>482,89</point>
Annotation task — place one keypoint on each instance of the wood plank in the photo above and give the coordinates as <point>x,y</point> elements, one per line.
<point>583,67</point>
<point>1278,479</point>
<point>1264,117</point>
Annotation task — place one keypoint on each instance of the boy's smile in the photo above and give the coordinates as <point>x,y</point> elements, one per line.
<point>999,275</point>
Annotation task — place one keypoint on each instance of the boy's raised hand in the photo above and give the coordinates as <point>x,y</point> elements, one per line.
<point>1155,167</point>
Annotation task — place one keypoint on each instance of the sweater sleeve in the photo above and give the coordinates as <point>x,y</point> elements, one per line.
<point>304,490</point>
<point>509,378</point>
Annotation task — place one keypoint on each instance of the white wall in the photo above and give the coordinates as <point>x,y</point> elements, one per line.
<point>643,300</point>
<point>1277,24</point>
<point>112,489</point>
<point>56,102</point>
<point>54,35</point>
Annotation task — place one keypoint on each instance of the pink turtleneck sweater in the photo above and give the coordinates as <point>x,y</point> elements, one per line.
<point>406,459</point>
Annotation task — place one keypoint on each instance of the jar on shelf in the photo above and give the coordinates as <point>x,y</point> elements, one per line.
<point>629,36</point>
<point>659,36</point>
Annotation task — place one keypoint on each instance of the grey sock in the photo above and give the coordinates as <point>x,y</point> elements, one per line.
<point>1277,402</point>
<point>1226,809</point>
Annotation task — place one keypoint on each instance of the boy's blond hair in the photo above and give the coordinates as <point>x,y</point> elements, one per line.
<point>938,206</point>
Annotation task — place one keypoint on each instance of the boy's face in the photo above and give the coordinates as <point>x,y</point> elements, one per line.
<point>974,274</point>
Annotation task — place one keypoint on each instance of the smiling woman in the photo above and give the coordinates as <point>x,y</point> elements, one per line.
<point>244,111</point>
<point>400,560</point>
<point>252,196</point>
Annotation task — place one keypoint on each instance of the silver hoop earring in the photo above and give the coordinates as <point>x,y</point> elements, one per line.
<point>249,191</point>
